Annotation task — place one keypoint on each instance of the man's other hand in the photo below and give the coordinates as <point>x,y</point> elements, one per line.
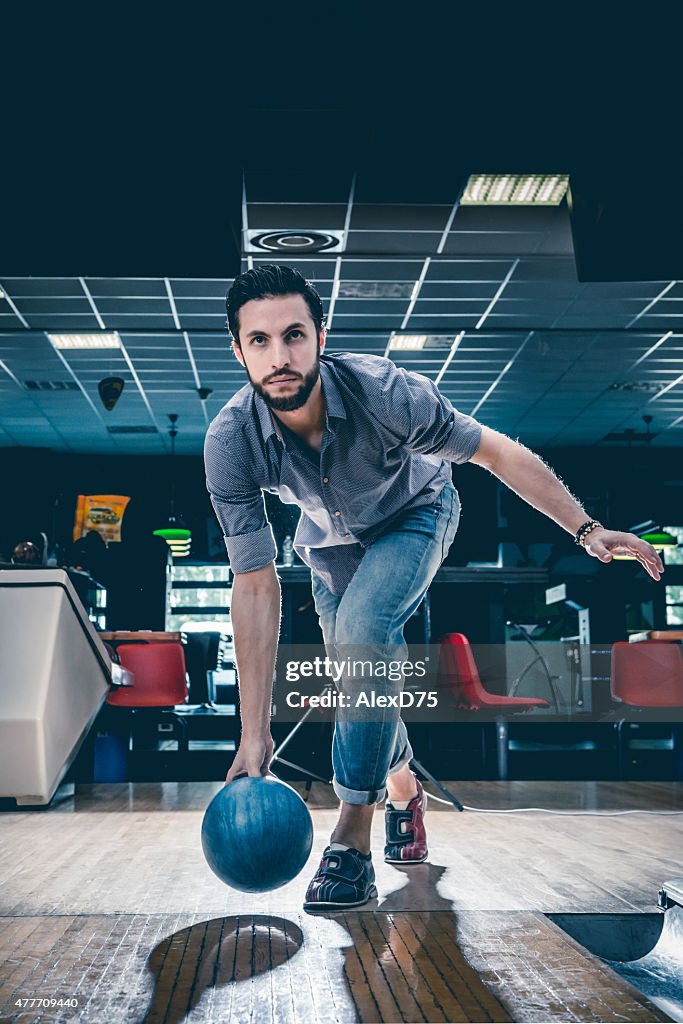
<point>252,758</point>
<point>603,544</point>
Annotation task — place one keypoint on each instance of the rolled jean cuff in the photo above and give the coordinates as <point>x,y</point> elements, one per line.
<point>405,759</point>
<point>364,797</point>
<point>406,755</point>
<point>372,796</point>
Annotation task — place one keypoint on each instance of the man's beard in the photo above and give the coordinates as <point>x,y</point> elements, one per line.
<point>289,403</point>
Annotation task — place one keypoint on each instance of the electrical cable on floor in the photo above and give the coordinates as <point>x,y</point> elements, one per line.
<point>548,810</point>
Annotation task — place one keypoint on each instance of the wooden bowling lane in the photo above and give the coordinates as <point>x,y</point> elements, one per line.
<point>353,968</point>
<point>325,970</point>
<point>106,899</point>
<point>135,849</point>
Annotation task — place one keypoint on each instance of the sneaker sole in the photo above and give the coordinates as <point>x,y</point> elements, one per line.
<point>341,906</point>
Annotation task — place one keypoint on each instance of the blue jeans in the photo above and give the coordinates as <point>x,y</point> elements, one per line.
<point>385,591</point>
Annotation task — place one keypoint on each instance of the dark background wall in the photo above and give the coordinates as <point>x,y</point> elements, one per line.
<point>41,488</point>
<point>621,487</point>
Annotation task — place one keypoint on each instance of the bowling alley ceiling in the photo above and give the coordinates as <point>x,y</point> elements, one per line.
<point>127,139</point>
<point>511,336</point>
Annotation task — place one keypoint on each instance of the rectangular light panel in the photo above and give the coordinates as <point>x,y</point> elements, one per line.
<point>407,342</point>
<point>515,190</point>
<point>104,340</point>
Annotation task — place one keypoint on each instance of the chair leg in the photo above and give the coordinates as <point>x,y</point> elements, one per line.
<point>678,751</point>
<point>181,732</point>
<point>133,731</point>
<point>502,748</point>
<point>619,727</point>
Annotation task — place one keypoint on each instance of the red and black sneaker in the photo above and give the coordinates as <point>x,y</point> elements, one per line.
<point>405,831</point>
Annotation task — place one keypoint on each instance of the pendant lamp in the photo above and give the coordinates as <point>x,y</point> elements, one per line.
<point>661,540</point>
<point>175,532</point>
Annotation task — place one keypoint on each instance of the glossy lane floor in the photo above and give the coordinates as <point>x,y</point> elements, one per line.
<point>106,901</point>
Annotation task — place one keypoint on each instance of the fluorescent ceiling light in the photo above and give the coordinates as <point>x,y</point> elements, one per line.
<point>110,340</point>
<point>417,342</point>
<point>515,190</point>
<point>407,342</point>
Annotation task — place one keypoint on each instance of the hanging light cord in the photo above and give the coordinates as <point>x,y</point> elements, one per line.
<point>173,432</point>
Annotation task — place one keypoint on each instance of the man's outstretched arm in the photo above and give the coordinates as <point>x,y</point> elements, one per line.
<point>525,472</point>
<point>255,614</point>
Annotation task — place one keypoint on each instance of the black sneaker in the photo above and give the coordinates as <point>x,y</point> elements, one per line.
<point>345,878</point>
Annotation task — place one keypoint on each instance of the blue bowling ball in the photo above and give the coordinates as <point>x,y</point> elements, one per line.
<point>257,834</point>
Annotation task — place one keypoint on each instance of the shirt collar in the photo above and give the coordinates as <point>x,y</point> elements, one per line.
<point>334,405</point>
<point>269,424</point>
<point>331,394</point>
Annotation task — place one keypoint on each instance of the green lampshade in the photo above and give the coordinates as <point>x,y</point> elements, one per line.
<point>178,538</point>
<point>173,534</point>
<point>660,540</point>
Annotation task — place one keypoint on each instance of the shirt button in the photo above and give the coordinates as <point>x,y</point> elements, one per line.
<point>325,479</point>
<point>337,513</point>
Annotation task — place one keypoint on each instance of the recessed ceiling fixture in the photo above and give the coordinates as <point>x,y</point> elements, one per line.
<point>635,385</point>
<point>110,340</point>
<point>515,190</point>
<point>51,385</point>
<point>415,342</point>
<point>122,429</point>
<point>376,289</point>
<point>295,242</point>
<point>407,342</point>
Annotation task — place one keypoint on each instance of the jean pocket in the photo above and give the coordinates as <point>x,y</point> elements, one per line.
<point>451,514</point>
<point>440,501</point>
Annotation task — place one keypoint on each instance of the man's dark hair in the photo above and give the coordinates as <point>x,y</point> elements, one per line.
<point>264,281</point>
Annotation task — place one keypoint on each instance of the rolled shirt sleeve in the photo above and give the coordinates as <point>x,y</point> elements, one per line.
<point>428,423</point>
<point>239,506</point>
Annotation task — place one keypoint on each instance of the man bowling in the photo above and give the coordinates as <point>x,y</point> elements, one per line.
<point>363,448</point>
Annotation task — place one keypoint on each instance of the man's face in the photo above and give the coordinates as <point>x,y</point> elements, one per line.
<point>280,349</point>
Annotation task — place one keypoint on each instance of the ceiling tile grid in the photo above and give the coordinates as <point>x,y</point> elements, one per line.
<point>543,356</point>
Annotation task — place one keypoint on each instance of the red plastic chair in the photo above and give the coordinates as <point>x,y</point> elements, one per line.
<point>160,683</point>
<point>645,675</point>
<point>160,679</point>
<point>458,670</point>
<point>648,674</point>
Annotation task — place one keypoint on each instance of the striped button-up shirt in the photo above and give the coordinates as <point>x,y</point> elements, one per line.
<point>388,439</point>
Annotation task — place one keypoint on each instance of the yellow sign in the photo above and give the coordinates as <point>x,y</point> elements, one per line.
<point>100,512</point>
